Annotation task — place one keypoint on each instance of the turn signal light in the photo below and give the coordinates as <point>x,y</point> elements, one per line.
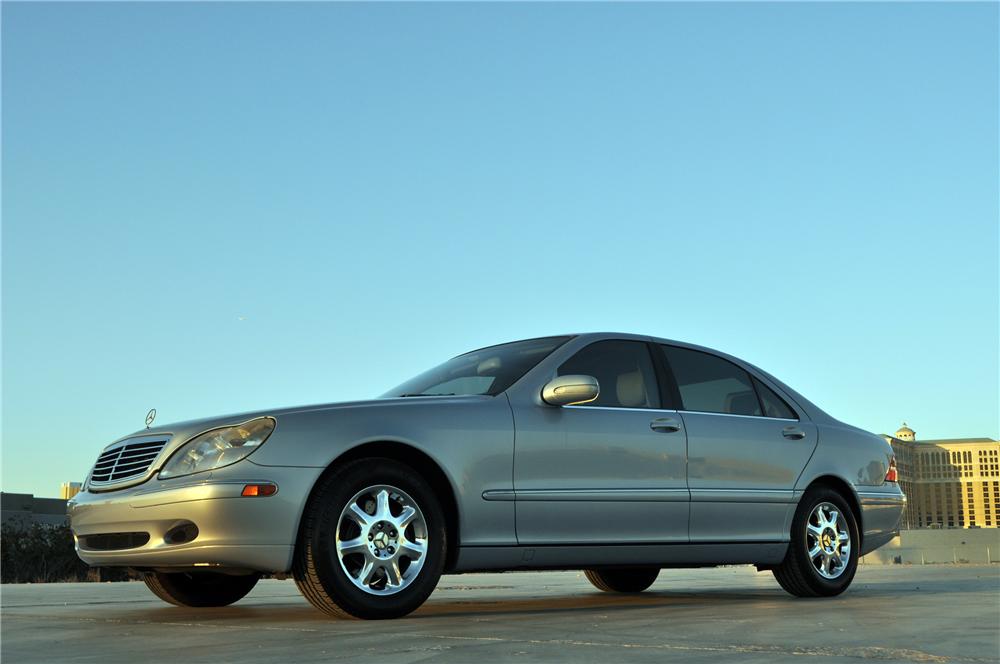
<point>259,490</point>
<point>891,475</point>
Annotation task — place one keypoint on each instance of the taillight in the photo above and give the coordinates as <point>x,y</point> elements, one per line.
<point>892,475</point>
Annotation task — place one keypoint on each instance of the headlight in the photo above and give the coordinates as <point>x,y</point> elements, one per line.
<point>218,448</point>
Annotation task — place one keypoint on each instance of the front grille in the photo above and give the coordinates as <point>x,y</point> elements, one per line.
<point>125,462</point>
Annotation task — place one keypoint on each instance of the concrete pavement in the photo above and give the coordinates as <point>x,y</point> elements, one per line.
<point>891,613</point>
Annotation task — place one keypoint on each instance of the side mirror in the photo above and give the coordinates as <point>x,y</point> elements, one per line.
<point>569,390</point>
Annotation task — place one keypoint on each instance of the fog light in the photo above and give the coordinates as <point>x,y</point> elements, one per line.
<point>260,490</point>
<point>186,532</point>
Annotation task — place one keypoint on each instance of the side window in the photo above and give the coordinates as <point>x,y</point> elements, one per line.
<point>623,368</point>
<point>774,406</point>
<point>710,384</point>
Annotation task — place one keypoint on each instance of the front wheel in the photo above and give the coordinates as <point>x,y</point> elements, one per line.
<point>622,580</point>
<point>199,589</point>
<point>822,556</point>
<point>372,543</point>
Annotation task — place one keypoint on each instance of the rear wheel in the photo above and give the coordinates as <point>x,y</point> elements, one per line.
<point>372,543</point>
<point>199,589</point>
<point>622,580</point>
<point>822,556</point>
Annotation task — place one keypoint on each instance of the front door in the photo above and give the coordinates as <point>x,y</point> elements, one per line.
<point>608,472</point>
<point>746,449</point>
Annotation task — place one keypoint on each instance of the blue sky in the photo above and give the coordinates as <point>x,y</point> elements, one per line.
<point>211,208</point>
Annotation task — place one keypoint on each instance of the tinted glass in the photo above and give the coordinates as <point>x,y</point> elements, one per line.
<point>485,371</point>
<point>711,384</point>
<point>774,406</point>
<point>624,371</point>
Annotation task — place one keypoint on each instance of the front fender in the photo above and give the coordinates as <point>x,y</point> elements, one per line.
<point>471,440</point>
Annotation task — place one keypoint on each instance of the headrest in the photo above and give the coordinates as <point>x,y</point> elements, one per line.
<point>631,390</point>
<point>742,403</point>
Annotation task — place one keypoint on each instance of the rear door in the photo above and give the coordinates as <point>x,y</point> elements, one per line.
<point>746,448</point>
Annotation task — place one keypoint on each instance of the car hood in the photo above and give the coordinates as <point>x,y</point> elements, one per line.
<point>184,430</point>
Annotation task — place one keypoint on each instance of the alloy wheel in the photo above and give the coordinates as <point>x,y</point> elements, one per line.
<point>381,540</point>
<point>828,541</point>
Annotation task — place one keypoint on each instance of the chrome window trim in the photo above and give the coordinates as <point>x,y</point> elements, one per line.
<point>631,410</point>
<point>755,417</point>
<point>682,411</point>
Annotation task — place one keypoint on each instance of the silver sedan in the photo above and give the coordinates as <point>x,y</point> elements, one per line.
<point>617,454</point>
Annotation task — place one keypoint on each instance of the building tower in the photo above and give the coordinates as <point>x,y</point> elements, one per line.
<point>69,489</point>
<point>949,483</point>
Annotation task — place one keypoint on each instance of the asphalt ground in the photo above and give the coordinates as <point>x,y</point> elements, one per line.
<point>932,613</point>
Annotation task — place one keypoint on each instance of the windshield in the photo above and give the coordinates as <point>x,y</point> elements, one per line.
<point>485,371</point>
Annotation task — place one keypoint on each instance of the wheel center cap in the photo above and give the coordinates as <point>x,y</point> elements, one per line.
<point>381,540</point>
<point>828,540</point>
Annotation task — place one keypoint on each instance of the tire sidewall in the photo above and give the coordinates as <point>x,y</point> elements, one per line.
<point>204,589</point>
<point>325,512</point>
<point>623,579</point>
<point>820,584</point>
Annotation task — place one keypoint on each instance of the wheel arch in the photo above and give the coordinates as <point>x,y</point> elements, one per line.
<point>417,459</point>
<point>844,488</point>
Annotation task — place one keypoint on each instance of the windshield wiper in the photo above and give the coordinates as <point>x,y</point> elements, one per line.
<point>421,394</point>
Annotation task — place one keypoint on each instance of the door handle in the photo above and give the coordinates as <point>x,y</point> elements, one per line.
<point>793,433</point>
<point>665,425</point>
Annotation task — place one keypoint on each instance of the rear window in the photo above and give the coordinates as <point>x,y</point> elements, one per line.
<point>774,406</point>
<point>710,384</point>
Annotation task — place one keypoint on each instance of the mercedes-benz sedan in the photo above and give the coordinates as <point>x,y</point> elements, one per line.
<point>616,454</point>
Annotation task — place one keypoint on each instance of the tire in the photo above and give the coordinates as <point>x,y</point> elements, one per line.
<point>622,580</point>
<point>334,581</point>
<point>199,589</point>
<point>802,575</point>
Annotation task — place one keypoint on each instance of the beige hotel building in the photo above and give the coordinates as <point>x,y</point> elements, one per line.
<point>948,483</point>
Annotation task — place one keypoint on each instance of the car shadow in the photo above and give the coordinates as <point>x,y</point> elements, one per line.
<point>291,609</point>
<point>584,603</point>
<point>300,613</point>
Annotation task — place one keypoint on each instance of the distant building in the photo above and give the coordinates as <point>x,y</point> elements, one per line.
<point>24,508</point>
<point>69,489</point>
<point>949,483</point>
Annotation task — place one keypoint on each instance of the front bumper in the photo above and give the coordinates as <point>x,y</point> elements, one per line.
<point>881,509</point>
<point>234,532</point>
